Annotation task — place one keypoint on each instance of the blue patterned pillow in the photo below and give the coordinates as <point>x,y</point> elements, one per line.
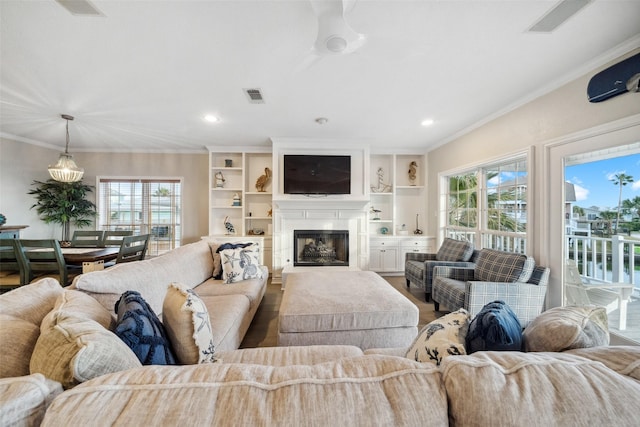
<point>139,328</point>
<point>495,328</point>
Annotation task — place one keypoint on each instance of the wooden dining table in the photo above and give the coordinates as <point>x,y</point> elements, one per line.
<point>91,259</point>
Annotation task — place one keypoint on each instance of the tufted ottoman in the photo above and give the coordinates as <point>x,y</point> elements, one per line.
<point>345,307</point>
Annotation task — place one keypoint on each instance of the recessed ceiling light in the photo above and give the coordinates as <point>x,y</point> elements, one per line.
<point>211,118</point>
<point>427,122</point>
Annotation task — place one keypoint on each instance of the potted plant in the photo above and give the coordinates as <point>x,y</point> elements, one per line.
<point>64,203</point>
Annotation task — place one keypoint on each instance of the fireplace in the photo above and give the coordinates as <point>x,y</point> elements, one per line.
<point>320,247</point>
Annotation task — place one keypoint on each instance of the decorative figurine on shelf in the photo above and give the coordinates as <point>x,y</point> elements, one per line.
<point>263,180</point>
<point>236,200</point>
<point>381,187</point>
<point>270,212</point>
<point>220,179</point>
<point>376,213</point>
<point>413,170</point>
<point>228,226</point>
<point>417,230</point>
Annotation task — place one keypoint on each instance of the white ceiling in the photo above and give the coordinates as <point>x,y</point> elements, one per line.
<point>142,77</point>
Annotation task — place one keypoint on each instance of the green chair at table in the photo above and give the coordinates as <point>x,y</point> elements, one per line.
<point>133,248</point>
<point>40,258</point>
<point>88,239</point>
<point>114,237</point>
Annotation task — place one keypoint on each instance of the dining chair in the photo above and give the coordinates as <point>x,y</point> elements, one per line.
<point>114,237</point>
<point>133,248</point>
<point>40,258</point>
<point>88,239</point>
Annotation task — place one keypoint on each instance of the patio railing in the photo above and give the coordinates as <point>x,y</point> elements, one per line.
<point>606,259</point>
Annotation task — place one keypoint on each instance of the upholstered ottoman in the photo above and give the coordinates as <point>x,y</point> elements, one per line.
<point>345,307</point>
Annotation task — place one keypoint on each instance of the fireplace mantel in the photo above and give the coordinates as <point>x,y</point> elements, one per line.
<point>320,203</point>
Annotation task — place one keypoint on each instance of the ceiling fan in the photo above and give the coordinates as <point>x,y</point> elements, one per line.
<point>335,35</point>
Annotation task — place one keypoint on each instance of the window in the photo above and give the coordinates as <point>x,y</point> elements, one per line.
<point>488,205</point>
<point>145,206</point>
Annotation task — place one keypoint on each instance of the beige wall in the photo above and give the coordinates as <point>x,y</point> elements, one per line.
<point>562,112</point>
<point>21,163</point>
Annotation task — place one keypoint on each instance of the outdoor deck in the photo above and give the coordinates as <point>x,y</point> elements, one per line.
<point>633,321</point>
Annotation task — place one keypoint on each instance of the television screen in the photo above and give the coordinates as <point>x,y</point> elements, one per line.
<point>309,174</point>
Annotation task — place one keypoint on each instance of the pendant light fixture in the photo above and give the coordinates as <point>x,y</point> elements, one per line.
<point>66,169</point>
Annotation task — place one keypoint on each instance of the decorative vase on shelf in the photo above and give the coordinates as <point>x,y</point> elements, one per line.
<point>236,200</point>
<point>3,220</point>
<point>413,172</point>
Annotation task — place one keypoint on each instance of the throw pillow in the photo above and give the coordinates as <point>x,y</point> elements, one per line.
<point>217,264</point>
<point>186,320</point>
<point>241,264</point>
<point>139,328</point>
<point>454,250</point>
<point>217,270</point>
<point>495,328</point>
<point>441,338</point>
<point>501,266</point>
<point>566,328</point>
<point>74,346</point>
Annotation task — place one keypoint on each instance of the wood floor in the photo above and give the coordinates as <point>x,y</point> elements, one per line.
<point>264,328</point>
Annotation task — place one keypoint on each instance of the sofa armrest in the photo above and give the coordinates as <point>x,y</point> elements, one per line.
<point>525,299</point>
<point>458,273</point>
<point>419,256</point>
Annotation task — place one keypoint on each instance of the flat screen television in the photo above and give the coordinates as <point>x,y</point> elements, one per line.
<point>311,174</point>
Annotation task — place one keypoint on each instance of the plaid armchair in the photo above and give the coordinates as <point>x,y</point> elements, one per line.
<point>418,266</point>
<point>497,275</point>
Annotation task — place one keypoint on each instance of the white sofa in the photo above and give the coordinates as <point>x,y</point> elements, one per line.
<point>231,306</point>
<point>303,385</point>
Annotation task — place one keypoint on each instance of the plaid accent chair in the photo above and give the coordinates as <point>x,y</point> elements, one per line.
<point>497,275</point>
<point>418,266</point>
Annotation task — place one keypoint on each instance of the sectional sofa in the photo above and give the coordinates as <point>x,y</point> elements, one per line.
<point>88,378</point>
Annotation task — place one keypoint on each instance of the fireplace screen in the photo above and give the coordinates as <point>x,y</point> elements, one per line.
<point>320,247</point>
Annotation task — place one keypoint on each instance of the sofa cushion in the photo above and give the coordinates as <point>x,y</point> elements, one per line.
<point>241,263</point>
<point>253,289</point>
<point>500,266</point>
<point>441,338</point>
<point>624,359</point>
<point>454,250</point>
<point>365,390</point>
<point>228,316</point>
<point>73,347</point>
<point>25,399</point>
<point>496,327</point>
<point>565,328</point>
<point>31,302</point>
<point>190,264</point>
<point>293,355</point>
<point>556,389</point>
<point>186,320</point>
<point>141,330</point>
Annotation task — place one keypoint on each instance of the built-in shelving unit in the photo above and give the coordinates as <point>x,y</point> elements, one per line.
<point>392,193</point>
<point>237,199</point>
<point>399,199</point>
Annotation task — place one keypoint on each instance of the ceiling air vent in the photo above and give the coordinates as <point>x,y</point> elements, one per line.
<point>254,95</point>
